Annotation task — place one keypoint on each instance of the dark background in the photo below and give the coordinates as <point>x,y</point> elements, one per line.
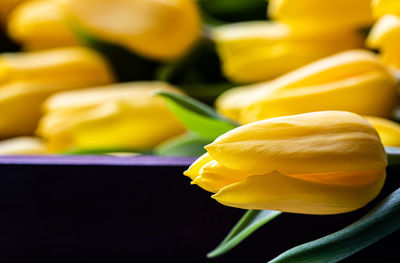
<point>112,213</point>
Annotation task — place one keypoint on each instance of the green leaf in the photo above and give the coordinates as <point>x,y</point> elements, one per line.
<point>250,222</point>
<point>196,116</point>
<point>393,155</point>
<point>188,144</point>
<point>381,221</point>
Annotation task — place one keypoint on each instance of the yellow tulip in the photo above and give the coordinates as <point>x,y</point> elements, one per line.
<point>6,6</point>
<point>316,163</point>
<point>156,29</point>
<point>317,15</point>
<point>384,7</point>
<point>389,131</point>
<point>354,81</point>
<point>22,146</point>
<point>120,116</point>
<point>257,51</point>
<point>39,24</point>
<point>385,35</point>
<point>27,79</point>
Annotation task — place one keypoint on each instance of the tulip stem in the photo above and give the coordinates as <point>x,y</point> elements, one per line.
<point>250,222</point>
<point>393,155</point>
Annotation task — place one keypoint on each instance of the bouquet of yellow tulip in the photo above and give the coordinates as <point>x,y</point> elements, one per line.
<point>305,95</point>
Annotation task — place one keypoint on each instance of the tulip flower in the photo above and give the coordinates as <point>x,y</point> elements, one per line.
<point>315,163</point>
<point>22,146</point>
<point>156,29</point>
<point>385,36</point>
<point>355,81</point>
<point>388,131</point>
<point>317,15</point>
<point>39,24</point>
<point>384,7</point>
<point>120,116</point>
<point>258,51</point>
<point>6,7</point>
<point>27,79</point>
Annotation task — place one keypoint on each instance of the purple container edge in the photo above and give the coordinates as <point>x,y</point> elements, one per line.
<point>96,160</point>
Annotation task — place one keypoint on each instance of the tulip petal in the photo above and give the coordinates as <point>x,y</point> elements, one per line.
<point>317,142</point>
<point>275,191</point>
<point>213,176</point>
<point>337,95</point>
<point>388,131</point>
<point>383,7</point>
<point>385,32</point>
<point>194,169</point>
<point>316,15</point>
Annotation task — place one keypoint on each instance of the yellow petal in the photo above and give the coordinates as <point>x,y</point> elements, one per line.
<point>316,142</point>
<point>39,24</point>
<point>256,51</point>
<point>276,191</point>
<point>231,102</point>
<point>194,169</point>
<point>389,131</point>
<point>316,15</point>
<point>124,116</point>
<point>22,145</point>
<point>157,29</point>
<point>336,95</point>
<point>385,32</point>
<point>213,176</point>
<point>78,64</point>
<point>6,7</point>
<point>383,7</point>
<point>332,83</point>
<point>28,78</point>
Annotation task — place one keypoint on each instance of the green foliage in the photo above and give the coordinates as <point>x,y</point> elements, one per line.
<point>250,222</point>
<point>188,144</point>
<point>378,223</point>
<point>196,116</point>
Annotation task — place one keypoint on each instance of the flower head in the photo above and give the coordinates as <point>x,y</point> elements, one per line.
<point>316,163</point>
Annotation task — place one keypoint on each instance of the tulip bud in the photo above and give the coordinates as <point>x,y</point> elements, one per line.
<point>388,131</point>
<point>316,163</point>
<point>6,7</point>
<point>27,79</point>
<point>354,81</point>
<point>385,35</point>
<point>39,24</point>
<point>384,7</point>
<point>257,51</point>
<point>22,146</point>
<point>152,28</point>
<point>317,15</point>
<point>120,116</point>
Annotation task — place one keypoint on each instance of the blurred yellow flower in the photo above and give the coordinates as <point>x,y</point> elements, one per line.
<point>257,51</point>
<point>120,116</point>
<point>27,79</point>
<point>22,146</point>
<point>385,36</point>
<point>389,131</point>
<point>156,29</point>
<point>317,15</point>
<point>384,7</point>
<point>316,163</point>
<point>354,81</point>
<point>39,24</point>
<point>6,6</point>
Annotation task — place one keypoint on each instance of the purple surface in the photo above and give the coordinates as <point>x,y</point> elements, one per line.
<point>97,160</point>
